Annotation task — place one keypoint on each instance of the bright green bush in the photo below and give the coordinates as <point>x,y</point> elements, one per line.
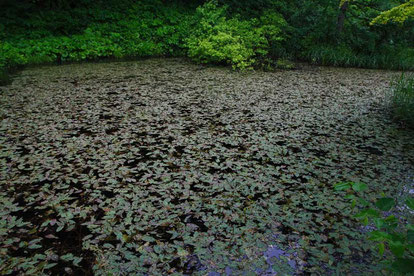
<point>239,43</point>
<point>402,99</point>
<point>218,40</point>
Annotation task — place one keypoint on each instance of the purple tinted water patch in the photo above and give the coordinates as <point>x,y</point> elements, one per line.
<point>273,251</point>
<point>292,264</point>
<point>272,254</point>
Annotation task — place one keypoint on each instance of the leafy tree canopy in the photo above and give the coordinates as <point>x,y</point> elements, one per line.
<point>398,14</point>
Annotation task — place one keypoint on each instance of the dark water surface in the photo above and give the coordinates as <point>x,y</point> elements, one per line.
<point>163,166</point>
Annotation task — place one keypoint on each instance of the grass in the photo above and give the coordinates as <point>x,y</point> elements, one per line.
<point>402,99</point>
<point>343,56</point>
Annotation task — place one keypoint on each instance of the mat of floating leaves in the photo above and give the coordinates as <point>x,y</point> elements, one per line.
<point>163,166</point>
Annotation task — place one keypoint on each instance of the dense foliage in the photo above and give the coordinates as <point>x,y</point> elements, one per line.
<point>402,99</point>
<point>398,14</point>
<point>242,34</point>
<point>241,43</point>
<point>113,31</point>
<point>391,223</point>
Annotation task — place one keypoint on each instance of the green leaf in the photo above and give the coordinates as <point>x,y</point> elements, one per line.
<point>410,203</point>
<point>182,252</point>
<point>148,239</point>
<point>35,246</point>
<point>342,186</point>
<point>50,265</point>
<point>411,247</point>
<point>405,265</point>
<point>349,197</point>
<point>379,236</point>
<point>410,235</point>
<point>363,202</point>
<point>379,223</point>
<point>367,213</point>
<point>353,203</point>
<point>391,221</point>
<point>381,248</point>
<point>397,248</point>
<point>385,203</point>
<point>359,187</point>
<point>67,257</point>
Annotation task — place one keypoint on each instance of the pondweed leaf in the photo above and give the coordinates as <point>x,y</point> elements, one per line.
<point>359,187</point>
<point>410,203</point>
<point>379,236</point>
<point>367,213</point>
<point>410,236</point>
<point>342,186</point>
<point>381,248</point>
<point>397,248</point>
<point>385,203</point>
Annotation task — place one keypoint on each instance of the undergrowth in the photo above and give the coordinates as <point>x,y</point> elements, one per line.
<point>402,99</point>
<point>344,56</point>
<point>218,32</point>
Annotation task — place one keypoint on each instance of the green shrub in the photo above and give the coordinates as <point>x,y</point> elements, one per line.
<point>10,58</point>
<point>141,30</point>
<point>402,99</point>
<point>239,43</point>
<point>394,236</point>
<point>215,41</point>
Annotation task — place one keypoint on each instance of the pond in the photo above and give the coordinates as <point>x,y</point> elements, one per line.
<point>163,166</point>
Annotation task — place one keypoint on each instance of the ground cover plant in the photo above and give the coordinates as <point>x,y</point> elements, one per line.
<point>162,166</point>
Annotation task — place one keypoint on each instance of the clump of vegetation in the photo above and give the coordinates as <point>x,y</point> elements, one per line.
<point>254,34</point>
<point>343,55</point>
<point>285,64</point>
<point>393,234</point>
<point>239,43</point>
<point>402,99</point>
<point>398,14</point>
<point>110,34</point>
